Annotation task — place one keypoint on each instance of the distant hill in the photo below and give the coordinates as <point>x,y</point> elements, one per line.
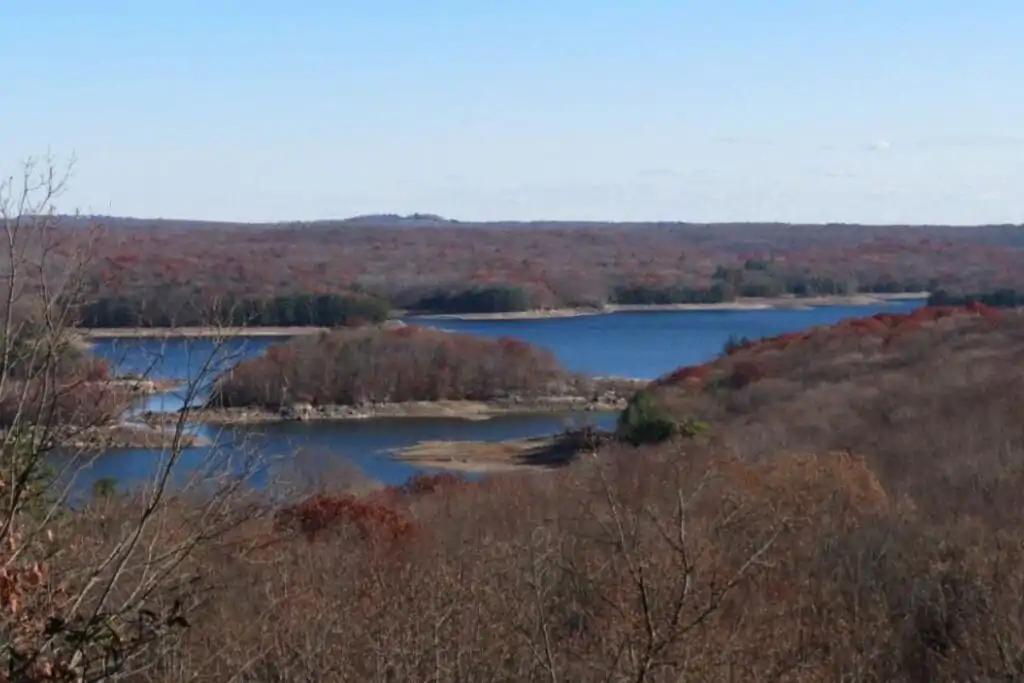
<point>382,220</point>
<point>395,220</point>
<point>736,236</point>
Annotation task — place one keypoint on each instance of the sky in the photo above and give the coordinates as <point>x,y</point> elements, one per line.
<point>880,111</point>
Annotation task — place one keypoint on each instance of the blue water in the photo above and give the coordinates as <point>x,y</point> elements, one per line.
<point>180,357</point>
<point>649,344</point>
<point>294,449</point>
<point>643,345</point>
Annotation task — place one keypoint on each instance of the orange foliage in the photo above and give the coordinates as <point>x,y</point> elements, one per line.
<point>692,375</point>
<point>744,363</point>
<point>323,512</point>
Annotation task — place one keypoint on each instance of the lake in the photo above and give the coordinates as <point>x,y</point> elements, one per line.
<point>642,345</point>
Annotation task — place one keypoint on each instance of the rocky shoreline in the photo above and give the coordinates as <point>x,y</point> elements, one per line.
<point>119,436</point>
<point>464,410</point>
<point>145,387</point>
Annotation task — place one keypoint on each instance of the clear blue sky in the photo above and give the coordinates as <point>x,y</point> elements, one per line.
<point>802,110</point>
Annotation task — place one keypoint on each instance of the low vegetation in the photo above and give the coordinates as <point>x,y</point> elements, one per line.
<point>386,365</point>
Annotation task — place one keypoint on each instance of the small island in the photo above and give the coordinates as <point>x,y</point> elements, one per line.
<point>409,371</point>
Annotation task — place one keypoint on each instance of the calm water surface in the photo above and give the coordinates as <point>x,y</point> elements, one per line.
<point>647,345</point>
<point>643,345</point>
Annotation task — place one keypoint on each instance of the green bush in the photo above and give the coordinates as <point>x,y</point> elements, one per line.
<point>734,343</point>
<point>644,421</point>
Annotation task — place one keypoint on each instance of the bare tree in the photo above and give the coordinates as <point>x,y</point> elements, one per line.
<point>99,591</point>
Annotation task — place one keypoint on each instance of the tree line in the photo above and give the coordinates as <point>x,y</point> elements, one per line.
<point>1000,298</point>
<point>754,280</point>
<point>757,279</point>
<point>292,310</point>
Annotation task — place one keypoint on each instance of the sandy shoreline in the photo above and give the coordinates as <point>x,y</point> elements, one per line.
<point>537,453</point>
<point>482,457</point>
<point>747,304</point>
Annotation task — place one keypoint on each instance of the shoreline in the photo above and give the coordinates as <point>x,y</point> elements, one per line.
<point>143,386</point>
<point>456,410</point>
<point>484,457</point>
<point>530,454</point>
<point>742,304</point>
<point>95,333</point>
<point>122,436</point>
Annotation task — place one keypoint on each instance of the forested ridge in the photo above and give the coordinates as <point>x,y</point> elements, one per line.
<point>169,272</point>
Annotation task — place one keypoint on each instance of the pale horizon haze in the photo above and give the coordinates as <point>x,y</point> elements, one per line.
<point>897,111</point>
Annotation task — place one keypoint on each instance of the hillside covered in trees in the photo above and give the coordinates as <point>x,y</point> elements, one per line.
<point>155,272</point>
<point>913,392</point>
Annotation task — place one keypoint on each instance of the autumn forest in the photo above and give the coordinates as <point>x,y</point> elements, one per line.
<point>161,273</point>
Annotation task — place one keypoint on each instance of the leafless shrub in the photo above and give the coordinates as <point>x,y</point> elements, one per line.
<point>101,592</point>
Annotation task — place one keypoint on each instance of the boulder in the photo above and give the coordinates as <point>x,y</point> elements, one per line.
<point>301,412</point>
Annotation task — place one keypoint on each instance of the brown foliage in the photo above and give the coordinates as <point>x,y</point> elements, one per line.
<point>323,512</point>
<point>657,565</point>
<point>912,393</point>
<point>81,403</point>
<point>352,366</point>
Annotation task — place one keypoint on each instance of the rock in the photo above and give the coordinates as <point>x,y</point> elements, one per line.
<point>302,412</point>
